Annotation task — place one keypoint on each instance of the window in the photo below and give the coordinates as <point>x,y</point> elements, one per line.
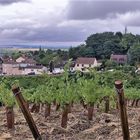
<point>89,65</point>
<point>121,59</point>
<point>82,65</point>
<point>77,65</point>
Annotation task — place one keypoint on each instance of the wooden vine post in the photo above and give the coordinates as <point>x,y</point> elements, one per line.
<point>90,109</point>
<point>106,98</point>
<point>22,104</point>
<point>122,108</point>
<point>65,116</point>
<point>10,117</point>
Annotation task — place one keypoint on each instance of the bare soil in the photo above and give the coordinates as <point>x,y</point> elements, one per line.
<point>103,126</point>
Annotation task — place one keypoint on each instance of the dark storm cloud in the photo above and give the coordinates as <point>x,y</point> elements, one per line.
<point>52,34</point>
<point>6,2</point>
<point>55,34</point>
<point>91,9</point>
<point>85,17</point>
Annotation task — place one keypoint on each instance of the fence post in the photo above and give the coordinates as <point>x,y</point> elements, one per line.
<point>122,108</point>
<point>22,104</point>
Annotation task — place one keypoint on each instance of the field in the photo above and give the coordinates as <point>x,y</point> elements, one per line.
<point>14,49</point>
<point>103,126</point>
<point>70,107</point>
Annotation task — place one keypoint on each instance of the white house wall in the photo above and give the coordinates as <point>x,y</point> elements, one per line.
<point>86,66</point>
<point>20,59</point>
<point>9,69</point>
<point>30,70</point>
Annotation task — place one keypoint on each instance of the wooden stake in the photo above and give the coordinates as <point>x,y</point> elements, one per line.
<point>122,108</point>
<point>65,116</point>
<point>106,104</point>
<point>90,109</point>
<point>10,117</point>
<point>22,104</point>
<point>47,110</point>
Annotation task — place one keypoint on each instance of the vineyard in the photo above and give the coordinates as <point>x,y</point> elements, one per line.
<point>70,106</point>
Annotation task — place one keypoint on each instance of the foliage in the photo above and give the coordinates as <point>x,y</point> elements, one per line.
<point>91,91</point>
<point>132,93</point>
<point>109,64</point>
<point>6,96</point>
<point>102,45</point>
<point>134,54</point>
<point>91,87</point>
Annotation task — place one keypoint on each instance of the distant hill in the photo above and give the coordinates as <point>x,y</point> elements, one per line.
<point>34,46</point>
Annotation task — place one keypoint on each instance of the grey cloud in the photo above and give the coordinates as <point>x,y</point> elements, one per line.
<point>6,2</point>
<point>91,9</point>
<point>129,19</point>
<point>64,33</point>
<point>52,34</point>
<point>89,17</point>
<point>71,31</point>
<point>55,34</point>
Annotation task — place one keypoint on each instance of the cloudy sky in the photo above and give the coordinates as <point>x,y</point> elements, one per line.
<point>66,22</point>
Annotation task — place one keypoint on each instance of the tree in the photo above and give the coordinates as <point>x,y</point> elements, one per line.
<point>77,51</point>
<point>110,64</point>
<point>119,34</point>
<point>128,40</point>
<point>51,65</point>
<point>16,55</point>
<point>104,44</point>
<point>134,54</point>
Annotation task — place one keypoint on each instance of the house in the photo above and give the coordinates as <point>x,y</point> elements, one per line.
<point>10,67</point>
<point>120,59</point>
<point>26,60</point>
<point>20,59</point>
<point>82,63</point>
<point>21,66</point>
<point>32,70</point>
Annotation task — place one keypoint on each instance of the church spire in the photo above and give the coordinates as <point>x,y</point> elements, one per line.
<point>125,32</point>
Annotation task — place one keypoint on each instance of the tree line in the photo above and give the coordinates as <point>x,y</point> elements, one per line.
<point>99,45</point>
<point>102,45</point>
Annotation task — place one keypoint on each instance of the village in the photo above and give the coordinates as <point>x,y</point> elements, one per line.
<point>28,66</point>
<point>69,70</point>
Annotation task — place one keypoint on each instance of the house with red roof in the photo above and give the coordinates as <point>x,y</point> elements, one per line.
<point>83,63</point>
<point>120,59</point>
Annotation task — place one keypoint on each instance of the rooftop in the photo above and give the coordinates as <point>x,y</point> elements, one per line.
<point>85,60</point>
<point>118,56</point>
